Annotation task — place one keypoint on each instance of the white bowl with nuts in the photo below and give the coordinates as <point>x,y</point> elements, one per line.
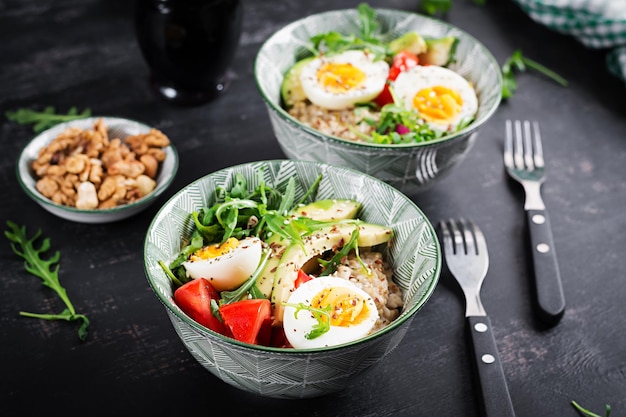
<point>97,169</point>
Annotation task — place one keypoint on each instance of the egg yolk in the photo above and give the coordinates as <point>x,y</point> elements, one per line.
<point>437,103</point>
<point>215,250</point>
<point>340,77</point>
<point>347,308</point>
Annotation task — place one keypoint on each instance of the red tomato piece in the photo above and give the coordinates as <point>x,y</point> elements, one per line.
<point>302,278</point>
<point>249,321</point>
<point>402,61</point>
<point>194,298</point>
<point>279,339</point>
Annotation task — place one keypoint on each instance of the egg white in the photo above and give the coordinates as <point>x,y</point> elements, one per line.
<point>296,327</point>
<point>227,272</point>
<point>376,73</point>
<point>410,82</point>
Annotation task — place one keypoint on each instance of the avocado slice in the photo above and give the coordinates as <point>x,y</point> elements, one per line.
<point>440,51</point>
<point>277,244</point>
<point>315,244</point>
<point>291,89</point>
<point>412,42</point>
<point>329,210</point>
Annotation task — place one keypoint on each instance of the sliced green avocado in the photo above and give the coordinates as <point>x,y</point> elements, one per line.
<point>329,210</point>
<point>411,41</point>
<point>277,244</point>
<point>291,89</point>
<point>440,51</point>
<point>315,244</point>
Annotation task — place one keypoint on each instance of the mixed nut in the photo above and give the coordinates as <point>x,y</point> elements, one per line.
<point>86,169</point>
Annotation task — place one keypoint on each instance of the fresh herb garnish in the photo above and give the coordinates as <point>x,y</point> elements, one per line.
<point>432,7</point>
<point>248,287</point>
<point>369,38</point>
<point>240,213</point>
<point>396,125</point>
<point>47,270</point>
<point>588,413</point>
<point>519,62</point>
<point>322,316</point>
<point>331,265</point>
<point>46,118</point>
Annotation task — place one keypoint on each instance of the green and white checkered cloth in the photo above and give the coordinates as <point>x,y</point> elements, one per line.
<point>595,23</point>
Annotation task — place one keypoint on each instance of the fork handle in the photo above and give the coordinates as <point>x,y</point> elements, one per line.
<point>496,400</point>
<point>548,287</point>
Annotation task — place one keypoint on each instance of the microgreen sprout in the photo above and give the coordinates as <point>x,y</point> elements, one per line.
<point>321,315</point>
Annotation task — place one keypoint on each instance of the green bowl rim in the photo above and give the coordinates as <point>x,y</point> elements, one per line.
<point>460,135</point>
<point>399,321</point>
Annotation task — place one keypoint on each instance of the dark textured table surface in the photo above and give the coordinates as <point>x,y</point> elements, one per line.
<point>83,53</point>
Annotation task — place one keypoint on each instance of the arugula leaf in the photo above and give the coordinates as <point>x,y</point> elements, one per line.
<point>367,22</point>
<point>228,297</point>
<point>588,413</point>
<point>240,213</point>
<point>47,270</point>
<point>311,191</point>
<point>432,7</point>
<point>45,119</point>
<point>369,39</point>
<point>518,62</point>
<point>396,125</point>
<point>321,315</point>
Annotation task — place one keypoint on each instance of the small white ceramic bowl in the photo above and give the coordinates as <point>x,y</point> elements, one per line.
<point>118,127</point>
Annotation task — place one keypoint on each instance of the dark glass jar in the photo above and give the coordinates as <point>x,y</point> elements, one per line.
<point>188,45</point>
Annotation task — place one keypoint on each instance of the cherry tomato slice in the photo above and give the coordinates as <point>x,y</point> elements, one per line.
<point>194,298</point>
<point>302,278</point>
<point>249,321</point>
<point>402,61</point>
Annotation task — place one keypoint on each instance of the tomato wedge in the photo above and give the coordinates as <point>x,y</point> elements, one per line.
<point>402,61</point>
<point>302,278</point>
<point>194,298</point>
<point>249,321</point>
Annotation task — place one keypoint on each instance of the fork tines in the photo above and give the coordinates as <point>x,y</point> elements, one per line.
<point>522,148</point>
<point>462,237</point>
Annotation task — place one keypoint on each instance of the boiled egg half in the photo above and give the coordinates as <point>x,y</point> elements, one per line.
<point>338,82</point>
<point>442,97</point>
<point>351,312</point>
<point>226,265</point>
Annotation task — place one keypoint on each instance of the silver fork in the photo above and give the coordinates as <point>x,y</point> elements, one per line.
<point>523,159</point>
<point>467,258</point>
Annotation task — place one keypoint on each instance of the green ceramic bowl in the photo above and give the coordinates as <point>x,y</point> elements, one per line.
<point>410,168</point>
<point>414,254</point>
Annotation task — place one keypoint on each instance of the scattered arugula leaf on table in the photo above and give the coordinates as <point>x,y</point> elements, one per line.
<point>519,62</point>
<point>45,119</point>
<point>47,270</point>
<point>432,7</point>
<point>588,413</point>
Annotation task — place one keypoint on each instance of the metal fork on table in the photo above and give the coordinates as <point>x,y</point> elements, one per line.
<point>466,255</point>
<point>523,159</point>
